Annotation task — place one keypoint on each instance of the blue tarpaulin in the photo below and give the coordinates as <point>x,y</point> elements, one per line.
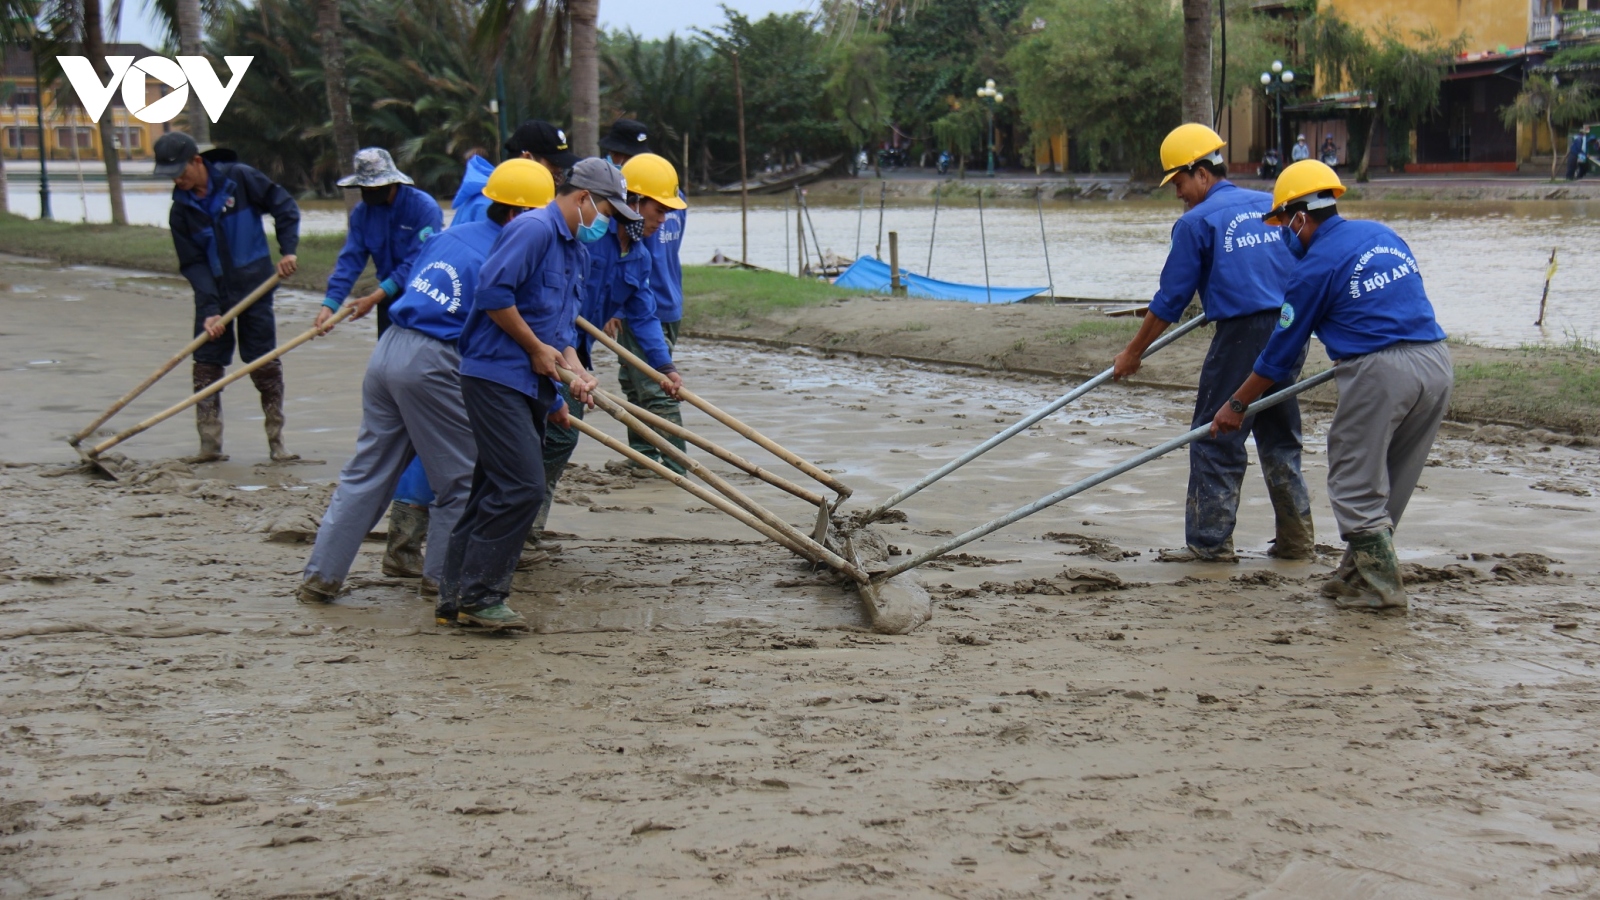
<point>870,274</point>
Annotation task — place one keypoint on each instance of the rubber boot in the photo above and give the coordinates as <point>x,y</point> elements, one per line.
<point>1376,583</point>
<point>1190,553</point>
<point>269,382</point>
<point>316,591</point>
<point>208,414</point>
<point>1338,583</point>
<point>1296,537</point>
<point>408,528</point>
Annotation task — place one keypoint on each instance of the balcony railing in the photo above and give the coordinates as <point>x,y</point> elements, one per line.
<point>1543,29</point>
<point>1578,25</point>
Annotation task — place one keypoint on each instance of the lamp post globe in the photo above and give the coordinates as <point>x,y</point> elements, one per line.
<point>1266,79</point>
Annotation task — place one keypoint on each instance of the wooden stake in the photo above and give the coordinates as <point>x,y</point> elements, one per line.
<point>744,174</point>
<point>1549,273</point>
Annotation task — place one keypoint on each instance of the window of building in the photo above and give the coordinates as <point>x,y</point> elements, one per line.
<point>23,96</point>
<point>127,137</point>
<point>85,137</point>
<point>22,138</point>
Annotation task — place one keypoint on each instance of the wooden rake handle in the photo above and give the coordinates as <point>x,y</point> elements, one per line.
<point>217,387</point>
<point>711,410</point>
<point>200,340</point>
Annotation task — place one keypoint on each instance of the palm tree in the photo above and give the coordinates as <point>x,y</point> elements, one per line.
<point>331,29</point>
<point>1545,100</point>
<point>1197,61</point>
<point>80,23</point>
<point>16,27</point>
<point>557,25</point>
<point>185,21</point>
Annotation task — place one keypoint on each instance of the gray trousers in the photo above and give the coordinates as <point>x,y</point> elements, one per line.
<point>1390,405</point>
<point>410,406</point>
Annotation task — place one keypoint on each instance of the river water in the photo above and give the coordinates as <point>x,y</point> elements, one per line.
<point>1483,261</point>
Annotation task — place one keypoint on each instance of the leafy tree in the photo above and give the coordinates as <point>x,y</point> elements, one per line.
<point>1399,76</point>
<point>660,83</point>
<point>1544,98</point>
<point>858,87</point>
<point>938,54</point>
<point>555,27</point>
<point>1107,70</point>
<point>782,59</point>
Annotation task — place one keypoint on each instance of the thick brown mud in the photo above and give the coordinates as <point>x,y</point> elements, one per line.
<point>702,714</point>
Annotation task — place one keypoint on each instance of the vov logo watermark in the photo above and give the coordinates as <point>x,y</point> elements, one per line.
<point>182,75</point>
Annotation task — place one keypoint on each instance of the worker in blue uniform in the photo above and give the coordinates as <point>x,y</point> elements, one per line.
<point>1357,286</point>
<point>1223,251</point>
<point>389,226</point>
<point>215,222</point>
<point>520,337</point>
<point>470,204</point>
<point>411,405</point>
<point>619,294</point>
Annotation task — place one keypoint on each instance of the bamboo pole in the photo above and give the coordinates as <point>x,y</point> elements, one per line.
<point>988,295</point>
<point>744,174</point>
<point>216,387</point>
<point>928,272</point>
<point>200,340</point>
<point>711,410</point>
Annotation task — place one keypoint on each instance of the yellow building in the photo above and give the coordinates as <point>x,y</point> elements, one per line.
<point>66,121</point>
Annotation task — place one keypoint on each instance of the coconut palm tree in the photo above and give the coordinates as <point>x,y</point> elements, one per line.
<point>331,28</point>
<point>560,26</point>
<point>78,27</point>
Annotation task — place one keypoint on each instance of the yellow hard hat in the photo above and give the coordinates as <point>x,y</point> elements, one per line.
<point>1186,145</point>
<point>520,182</point>
<point>649,175</point>
<point>1301,180</point>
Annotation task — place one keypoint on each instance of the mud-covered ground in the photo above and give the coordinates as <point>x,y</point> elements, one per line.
<point>700,715</point>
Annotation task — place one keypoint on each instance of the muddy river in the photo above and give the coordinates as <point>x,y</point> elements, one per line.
<point>1484,262</point>
<point>702,716</point>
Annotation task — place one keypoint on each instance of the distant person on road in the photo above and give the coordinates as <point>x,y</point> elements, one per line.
<point>1356,285</point>
<point>1329,154</point>
<point>389,227</point>
<point>215,222</point>
<point>1578,154</point>
<point>1238,265</point>
<point>1301,149</point>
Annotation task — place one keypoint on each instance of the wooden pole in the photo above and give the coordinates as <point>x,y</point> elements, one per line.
<point>933,233</point>
<point>896,289</point>
<point>785,230</point>
<point>686,163</point>
<point>883,192</point>
<point>744,173</point>
<point>216,387</point>
<point>200,340</point>
<point>802,260</point>
<point>1038,198</point>
<point>988,296</point>
<point>861,213</point>
<point>1549,273</point>
<point>711,410</point>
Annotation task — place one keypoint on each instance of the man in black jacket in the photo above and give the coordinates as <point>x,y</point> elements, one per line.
<point>217,205</point>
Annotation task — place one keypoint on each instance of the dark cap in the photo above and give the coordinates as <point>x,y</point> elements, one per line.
<point>539,138</point>
<point>627,136</point>
<point>173,151</point>
<point>600,178</point>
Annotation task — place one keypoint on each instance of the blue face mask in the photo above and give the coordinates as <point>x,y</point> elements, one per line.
<point>1291,240</point>
<point>595,230</point>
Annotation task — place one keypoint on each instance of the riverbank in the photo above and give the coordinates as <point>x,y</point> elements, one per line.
<point>1117,186</point>
<point>1550,387</point>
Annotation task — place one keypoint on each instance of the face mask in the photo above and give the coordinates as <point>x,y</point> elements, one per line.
<point>635,230</point>
<point>595,230</point>
<point>1291,240</point>
<point>376,196</point>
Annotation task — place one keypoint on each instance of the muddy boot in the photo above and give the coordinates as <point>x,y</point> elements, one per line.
<point>1376,583</point>
<point>1223,553</point>
<point>1297,539</point>
<point>408,528</point>
<point>315,591</point>
<point>269,382</point>
<point>1338,583</point>
<point>429,589</point>
<point>208,414</point>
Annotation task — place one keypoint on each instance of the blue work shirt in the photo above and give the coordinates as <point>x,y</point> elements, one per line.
<point>221,246</point>
<point>619,286</point>
<point>391,236</point>
<point>537,266</point>
<point>470,205</point>
<point>444,280</point>
<point>666,270</point>
<point>1359,289</point>
<point>1222,249</point>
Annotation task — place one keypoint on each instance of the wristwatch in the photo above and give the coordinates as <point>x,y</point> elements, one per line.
<point>1237,405</point>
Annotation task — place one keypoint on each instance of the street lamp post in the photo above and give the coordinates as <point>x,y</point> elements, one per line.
<point>1275,83</point>
<point>990,97</point>
<point>38,98</point>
